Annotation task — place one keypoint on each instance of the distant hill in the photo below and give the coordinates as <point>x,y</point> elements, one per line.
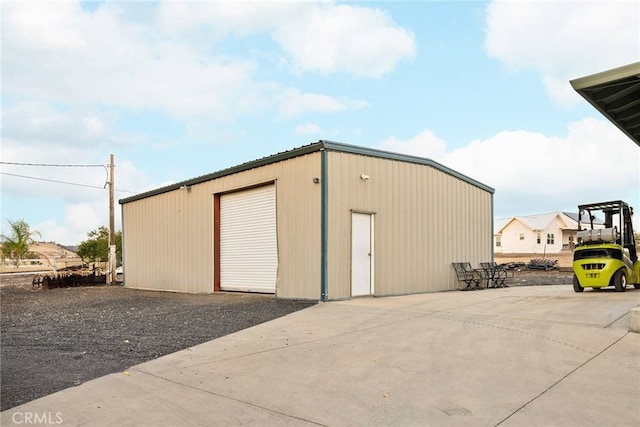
<point>52,250</point>
<point>51,256</point>
<point>73,249</point>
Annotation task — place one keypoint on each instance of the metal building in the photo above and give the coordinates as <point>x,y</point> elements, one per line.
<point>324,221</point>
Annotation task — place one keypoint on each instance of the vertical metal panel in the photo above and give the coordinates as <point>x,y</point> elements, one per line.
<point>425,220</point>
<point>170,236</point>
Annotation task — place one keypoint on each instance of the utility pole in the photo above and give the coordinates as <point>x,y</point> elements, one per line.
<point>111,272</point>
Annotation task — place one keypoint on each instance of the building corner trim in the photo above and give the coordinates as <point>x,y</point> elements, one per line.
<point>493,231</point>
<point>324,224</point>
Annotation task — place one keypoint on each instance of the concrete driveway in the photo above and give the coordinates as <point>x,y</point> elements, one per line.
<point>520,356</point>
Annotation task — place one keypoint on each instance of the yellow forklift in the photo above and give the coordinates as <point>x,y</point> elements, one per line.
<point>605,256</point>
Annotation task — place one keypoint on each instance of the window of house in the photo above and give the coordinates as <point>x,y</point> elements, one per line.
<point>521,236</point>
<point>538,238</point>
<point>550,239</point>
<point>498,241</point>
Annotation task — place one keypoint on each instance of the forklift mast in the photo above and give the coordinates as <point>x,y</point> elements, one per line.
<point>617,214</point>
<point>628,238</point>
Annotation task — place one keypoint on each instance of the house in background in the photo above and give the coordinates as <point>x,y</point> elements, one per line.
<point>538,234</point>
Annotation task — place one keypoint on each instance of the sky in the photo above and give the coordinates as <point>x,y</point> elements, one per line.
<point>179,89</point>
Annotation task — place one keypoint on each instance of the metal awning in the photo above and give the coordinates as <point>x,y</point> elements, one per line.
<point>616,94</point>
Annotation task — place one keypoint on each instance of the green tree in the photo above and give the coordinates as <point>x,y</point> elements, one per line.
<point>96,247</point>
<point>16,245</point>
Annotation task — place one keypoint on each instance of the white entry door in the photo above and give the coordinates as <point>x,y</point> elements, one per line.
<point>361,254</point>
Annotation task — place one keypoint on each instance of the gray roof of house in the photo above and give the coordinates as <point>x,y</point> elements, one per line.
<point>539,221</point>
<point>307,149</point>
<point>584,218</point>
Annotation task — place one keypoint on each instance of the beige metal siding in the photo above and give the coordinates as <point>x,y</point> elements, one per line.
<point>164,248</point>
<point>424,220</point>
<point>169,237</point>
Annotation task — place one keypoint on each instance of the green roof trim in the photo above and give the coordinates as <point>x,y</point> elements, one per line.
<point>301,151</point>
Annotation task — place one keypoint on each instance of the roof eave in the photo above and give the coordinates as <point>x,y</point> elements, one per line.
<point>583,85</point>
<point>307,149</point>
<point>285,155</point>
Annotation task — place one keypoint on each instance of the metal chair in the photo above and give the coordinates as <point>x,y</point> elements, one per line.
<point>468,275</point>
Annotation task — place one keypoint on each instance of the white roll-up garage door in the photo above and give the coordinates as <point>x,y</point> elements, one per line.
<point>248,240</point>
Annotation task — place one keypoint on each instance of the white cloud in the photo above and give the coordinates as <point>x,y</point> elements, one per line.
<point>318,36</point>
<point>58,51</point>
<point>340,38</point>
<point>79,192</point>
<point>425,144</point>
<point>293,103</point>
<point>134,70</point>
<point>91,180</point>
<point>43,28</point>
<point>545,164</point>
<point>51,231</point>
<point>39,123</point>
<point>43,185</point>
<point>307,129</point>
<point>128,179</point>
<point>563,40</point>
<point>94,125</point>
<point>217,19</point>
<point>79,219</point>
<point>533,173</point>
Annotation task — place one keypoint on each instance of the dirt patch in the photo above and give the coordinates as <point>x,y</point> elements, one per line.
<point>539,278</point>
<point>59,338</point>
<point>564,258</point>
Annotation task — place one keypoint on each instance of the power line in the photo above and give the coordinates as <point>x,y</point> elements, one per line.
<point>52,165</point>
<point>63,182</point>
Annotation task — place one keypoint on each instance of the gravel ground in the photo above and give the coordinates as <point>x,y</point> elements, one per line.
<point>563,276</point>
<point>55,339</point>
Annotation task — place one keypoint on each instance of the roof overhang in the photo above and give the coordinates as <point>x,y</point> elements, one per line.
<point>616,94</point>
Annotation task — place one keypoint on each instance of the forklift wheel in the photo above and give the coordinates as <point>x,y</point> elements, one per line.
<point>576,284</point>
<point>620,281</point>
